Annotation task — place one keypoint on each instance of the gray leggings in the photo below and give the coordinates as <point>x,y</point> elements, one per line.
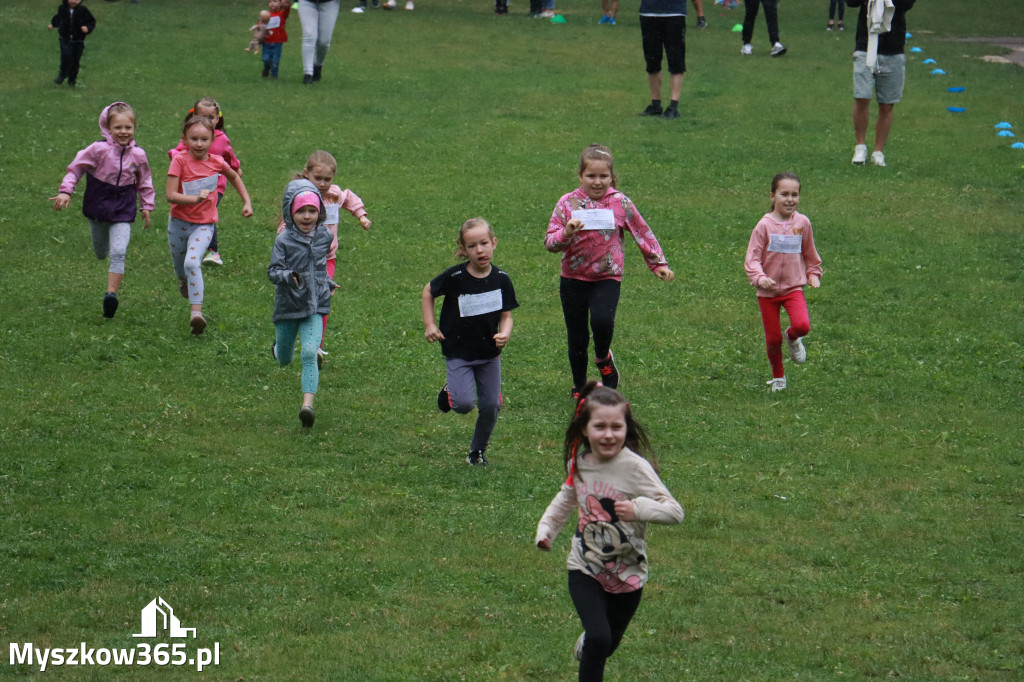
<point>111,239</point>
<point>485,377</point>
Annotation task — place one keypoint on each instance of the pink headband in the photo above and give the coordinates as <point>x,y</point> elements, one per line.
<point>305,199</point>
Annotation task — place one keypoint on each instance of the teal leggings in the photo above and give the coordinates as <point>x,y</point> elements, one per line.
<point>309,331</point>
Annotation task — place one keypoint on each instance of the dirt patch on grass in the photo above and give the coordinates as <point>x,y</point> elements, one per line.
<point>1013,43</point>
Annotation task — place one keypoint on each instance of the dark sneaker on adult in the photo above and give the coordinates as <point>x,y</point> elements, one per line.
<point>652,110</point>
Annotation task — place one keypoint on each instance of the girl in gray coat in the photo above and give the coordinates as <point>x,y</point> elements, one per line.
<point>298,266</point>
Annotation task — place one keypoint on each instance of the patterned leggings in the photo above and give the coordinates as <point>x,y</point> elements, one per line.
<point>188,243</point>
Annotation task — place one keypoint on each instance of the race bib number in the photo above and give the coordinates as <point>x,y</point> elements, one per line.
<point>332,214</point>
<point>595,218</point>
<point>785,243</point>
<point>192,188</point>
<point>471,305</point>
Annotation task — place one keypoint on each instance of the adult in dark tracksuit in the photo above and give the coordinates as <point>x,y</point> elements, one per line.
<point>73,22</point>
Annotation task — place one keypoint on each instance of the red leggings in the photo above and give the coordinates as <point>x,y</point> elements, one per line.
<point>799,324</point>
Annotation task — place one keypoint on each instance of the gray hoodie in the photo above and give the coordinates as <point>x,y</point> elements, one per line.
<point>304,255</point>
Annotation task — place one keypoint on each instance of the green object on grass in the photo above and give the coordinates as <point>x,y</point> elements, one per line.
<point>558,19</point>
<point>737,28</point>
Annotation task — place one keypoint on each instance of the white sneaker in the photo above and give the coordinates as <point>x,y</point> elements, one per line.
<point>577,650</point>
<point>778,49</point>
<point>778,384</point>
<point>747,49</point>
<point>797,352</point>
<point>860,155</point>
<point>358,10</point>
<point>878,158</point>
<point>409,5</point>
<point>391,4</point>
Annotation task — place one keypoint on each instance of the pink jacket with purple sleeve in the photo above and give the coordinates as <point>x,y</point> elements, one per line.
<point>594,255</point>
<point>783,251</point>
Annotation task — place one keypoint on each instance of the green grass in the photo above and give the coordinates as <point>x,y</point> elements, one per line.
<point>864,524</point>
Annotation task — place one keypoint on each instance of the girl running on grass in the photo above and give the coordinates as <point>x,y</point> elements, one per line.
<point>476,322</point>
<point>221,146</point>
<point>320,170</point>
<point>616,492</point>
<point>781,259</point>
<point>117,178</point>
<point>298,266</point>
<point>192,189</point>
<point>588,228</point>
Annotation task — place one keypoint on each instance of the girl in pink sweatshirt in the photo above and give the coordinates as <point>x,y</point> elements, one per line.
<point>588,227</point>
<point>117,179</point>
<point>781,259</point>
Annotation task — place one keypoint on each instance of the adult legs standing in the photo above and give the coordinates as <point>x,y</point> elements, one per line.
<point>318,19</point>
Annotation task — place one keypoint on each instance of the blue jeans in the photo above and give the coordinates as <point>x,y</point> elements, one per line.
<point>272,57</point>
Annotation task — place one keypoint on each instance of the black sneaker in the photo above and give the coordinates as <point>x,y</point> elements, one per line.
<point>652,110</point>
<point>476,458</point>
<point>316,73</point>
<point>444,400</point>
<point>307,79</point>
<point>609,372</point>
<point>109,304</point>
<point>702,22</point>
<point>307,416</point>
<point>266,71</point>
<point>59,79</point>
<point>671,112</point>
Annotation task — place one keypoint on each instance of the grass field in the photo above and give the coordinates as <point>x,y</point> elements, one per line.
<point>866,523</point>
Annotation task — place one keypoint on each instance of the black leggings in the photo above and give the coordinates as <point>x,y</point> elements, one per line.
<point>605,617</point>
<point>582,300</point>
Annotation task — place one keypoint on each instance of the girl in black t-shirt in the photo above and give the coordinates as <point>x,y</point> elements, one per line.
<point>475,324</point>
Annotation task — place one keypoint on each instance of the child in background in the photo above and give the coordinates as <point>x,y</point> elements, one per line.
<point>276,36</point>
<point>616,491</point>
<point>191,187</point>
<point>781,259</point>
<point>592,260</point>
<point>259,32</point>
<point>303,289</point>
<point>221,146</point>
<point>320,170</point>
<point>117,177</point>
<point>476,323</point>
<point>74,22</point>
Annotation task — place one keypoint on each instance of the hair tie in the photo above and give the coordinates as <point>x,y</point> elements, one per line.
<point>192,110</point>
<point>579,408</point>
<point>219,114</point>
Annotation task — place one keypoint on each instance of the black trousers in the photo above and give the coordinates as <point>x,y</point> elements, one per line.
<point>70,59</point>
<point>605,617</point>
<point>582,300</point>
<point>771,17</point>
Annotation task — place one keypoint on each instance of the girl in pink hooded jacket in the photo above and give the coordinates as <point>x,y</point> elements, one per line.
<point>117,179</point>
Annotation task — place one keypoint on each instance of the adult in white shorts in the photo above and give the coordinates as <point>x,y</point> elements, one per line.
<point>884,82</point>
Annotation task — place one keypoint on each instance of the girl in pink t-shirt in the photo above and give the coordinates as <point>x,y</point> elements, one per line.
<point>192,189</point>
<point>781,259</point>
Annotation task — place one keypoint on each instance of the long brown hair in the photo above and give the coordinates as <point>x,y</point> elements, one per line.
<point>576,435</point>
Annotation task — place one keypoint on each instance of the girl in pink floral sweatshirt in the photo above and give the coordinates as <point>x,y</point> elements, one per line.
<point>588,228</point>
<point>781,259</point>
